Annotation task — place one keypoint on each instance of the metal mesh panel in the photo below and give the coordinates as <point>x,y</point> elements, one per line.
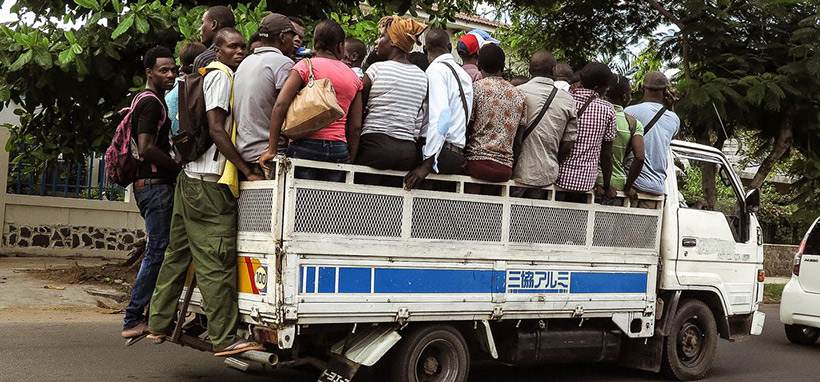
<point>347,213</point>
<point>547,225</point>
<point>624,230</point>
<point>456,220</point>
<point>255,210</point>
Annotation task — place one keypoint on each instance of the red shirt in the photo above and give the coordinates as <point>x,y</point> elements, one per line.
<point>345,82</point>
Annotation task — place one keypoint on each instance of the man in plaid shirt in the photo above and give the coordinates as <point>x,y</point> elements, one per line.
<point>596,132</point>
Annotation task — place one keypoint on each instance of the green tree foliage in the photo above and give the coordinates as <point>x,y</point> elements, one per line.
<point>755,63</point>
<point>79,61</point>
<point>577,31</point>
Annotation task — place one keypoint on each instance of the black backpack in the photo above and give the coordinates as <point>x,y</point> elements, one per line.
<point>193,138</point>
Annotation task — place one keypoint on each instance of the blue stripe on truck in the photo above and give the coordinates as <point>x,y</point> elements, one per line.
<point>354,280</point>
<point>600,282</point>
<point>402,280</point>
<point>327,280</point>
<point>459,281</point>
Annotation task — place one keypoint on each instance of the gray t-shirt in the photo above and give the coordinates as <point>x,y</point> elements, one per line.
<point>396,98</point>
<point>256,84</point>
<point>656,145</point>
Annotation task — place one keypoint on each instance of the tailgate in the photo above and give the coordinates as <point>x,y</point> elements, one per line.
<point>810,273</point>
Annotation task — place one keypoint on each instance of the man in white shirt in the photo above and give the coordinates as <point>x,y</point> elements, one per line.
<point>203,224</point>
<point>449,104</point>
<point>562,74</point>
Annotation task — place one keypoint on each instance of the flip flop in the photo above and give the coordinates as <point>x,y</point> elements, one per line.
<point>240,346</point>
<point>133,340</point>
<point>157,338</point>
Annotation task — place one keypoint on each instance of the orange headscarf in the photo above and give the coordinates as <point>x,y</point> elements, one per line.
<point>403,32</point>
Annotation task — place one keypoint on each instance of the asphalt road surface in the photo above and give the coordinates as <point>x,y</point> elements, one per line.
<point>92,351</point>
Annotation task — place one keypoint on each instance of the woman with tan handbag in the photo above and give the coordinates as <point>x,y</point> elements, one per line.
<point>319,108</point>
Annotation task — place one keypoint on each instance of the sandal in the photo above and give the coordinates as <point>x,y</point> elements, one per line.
<point>157,338</point>
<point>239,346</point>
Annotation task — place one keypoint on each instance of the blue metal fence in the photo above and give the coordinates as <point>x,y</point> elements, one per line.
<point>67,179</point>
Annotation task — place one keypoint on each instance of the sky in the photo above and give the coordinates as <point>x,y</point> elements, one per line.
<point>5,16</point>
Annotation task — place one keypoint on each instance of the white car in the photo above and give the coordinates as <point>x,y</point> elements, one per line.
<point>800,305</point>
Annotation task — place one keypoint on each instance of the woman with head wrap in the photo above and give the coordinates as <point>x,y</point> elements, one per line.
<point>394,91</point>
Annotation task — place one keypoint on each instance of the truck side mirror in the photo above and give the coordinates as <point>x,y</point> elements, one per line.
<point>753,200</point>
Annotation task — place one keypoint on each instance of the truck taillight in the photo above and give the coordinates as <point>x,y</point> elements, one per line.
<point>798,257</point>
<point>761,275</point>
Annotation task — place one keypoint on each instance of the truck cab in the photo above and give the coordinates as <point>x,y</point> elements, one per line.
<point>418,283</point>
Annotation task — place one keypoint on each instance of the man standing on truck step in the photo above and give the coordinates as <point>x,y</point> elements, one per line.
<point>660,126</point>
<point>203,226</point>
<point>540,148</point>
<point>154,187</point>
<point>593,142</point>
<point>213,20</point>
<point>450,102</point>
<point>257,83</point>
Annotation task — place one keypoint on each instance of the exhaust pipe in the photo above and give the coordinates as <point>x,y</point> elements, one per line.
<point>259,356</point>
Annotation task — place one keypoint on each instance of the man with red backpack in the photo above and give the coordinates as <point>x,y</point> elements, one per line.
<point>155,177</point>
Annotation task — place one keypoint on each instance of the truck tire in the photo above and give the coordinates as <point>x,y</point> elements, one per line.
<point>690,348</point>
<point>801,334</point>
<point>430,353</point>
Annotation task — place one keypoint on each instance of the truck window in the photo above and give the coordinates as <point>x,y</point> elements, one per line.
<point>704,184</point>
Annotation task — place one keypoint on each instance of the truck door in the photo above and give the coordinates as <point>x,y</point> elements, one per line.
<point>717,244</point>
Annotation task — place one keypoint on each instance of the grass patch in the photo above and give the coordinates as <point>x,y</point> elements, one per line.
<point>772,293</point>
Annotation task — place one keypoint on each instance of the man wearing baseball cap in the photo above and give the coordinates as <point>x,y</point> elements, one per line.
<point>660,125</point>
<point>468,47</point>
<point>257,83</point>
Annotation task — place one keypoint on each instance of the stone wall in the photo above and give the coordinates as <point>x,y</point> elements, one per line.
<point>71,237</point>
<point>778,260</point>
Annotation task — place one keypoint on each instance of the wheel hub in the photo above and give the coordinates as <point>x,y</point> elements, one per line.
<point>690,342</point>
<point>431,365</point>
<point>437,362</point>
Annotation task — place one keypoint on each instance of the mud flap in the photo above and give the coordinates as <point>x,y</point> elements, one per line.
<point>338,369</point>
<point>642,353</point>
<point>368,345</point>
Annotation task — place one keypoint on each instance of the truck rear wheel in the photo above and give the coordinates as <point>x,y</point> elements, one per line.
<point>431,353</point>
<point>692,343</point>
<point>802,335</point>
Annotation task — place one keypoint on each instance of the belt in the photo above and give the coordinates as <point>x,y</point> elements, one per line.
<point>453,148</point>
<point>213,178</point>
<point>142,183</point>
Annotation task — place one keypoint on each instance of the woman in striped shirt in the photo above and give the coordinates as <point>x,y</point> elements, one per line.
<point>394,91</point>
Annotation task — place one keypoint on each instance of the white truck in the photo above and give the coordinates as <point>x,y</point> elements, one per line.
<point>419,283</point>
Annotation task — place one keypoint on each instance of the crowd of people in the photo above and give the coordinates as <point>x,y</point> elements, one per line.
<point>408,110</point>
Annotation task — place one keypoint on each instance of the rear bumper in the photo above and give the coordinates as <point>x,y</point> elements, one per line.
<point>798,307</point>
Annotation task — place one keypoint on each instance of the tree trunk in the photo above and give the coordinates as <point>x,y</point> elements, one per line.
<point>783,142</point>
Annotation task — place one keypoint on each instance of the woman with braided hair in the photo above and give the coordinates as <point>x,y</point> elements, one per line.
<point>394,91</point>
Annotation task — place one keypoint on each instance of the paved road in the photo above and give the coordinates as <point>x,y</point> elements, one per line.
<point>91,351</point>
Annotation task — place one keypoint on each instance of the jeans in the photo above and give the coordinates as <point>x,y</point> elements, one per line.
<point>156,204</point>
<point>319,150</point>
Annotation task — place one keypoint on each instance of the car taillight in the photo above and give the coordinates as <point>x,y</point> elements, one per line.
<point>798,257</point>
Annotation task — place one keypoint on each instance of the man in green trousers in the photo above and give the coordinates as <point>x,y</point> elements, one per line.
<point>204,221</point>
